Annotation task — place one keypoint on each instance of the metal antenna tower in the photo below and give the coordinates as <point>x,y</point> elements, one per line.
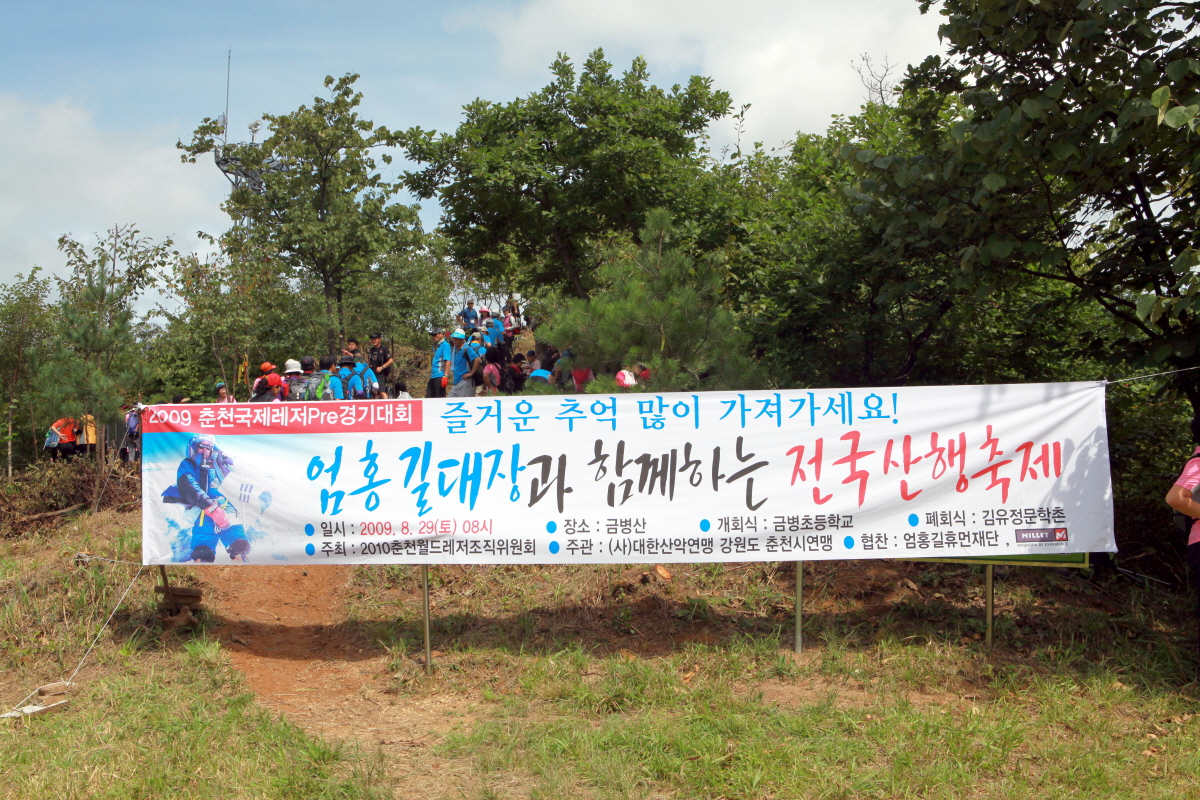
<point>231,159</point>
<point>228,74</point>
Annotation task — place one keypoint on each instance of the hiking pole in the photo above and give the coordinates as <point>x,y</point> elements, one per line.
<point>425,592</point>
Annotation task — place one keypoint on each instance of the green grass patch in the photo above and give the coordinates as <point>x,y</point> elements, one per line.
<point>692,726</point>
<point>147,718</point>
<point>177,724</point>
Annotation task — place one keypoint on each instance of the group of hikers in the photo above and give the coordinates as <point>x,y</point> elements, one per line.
<point>479,356</point>
<point>352,375</point>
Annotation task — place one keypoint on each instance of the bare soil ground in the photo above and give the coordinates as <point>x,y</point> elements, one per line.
<point>286,629</point>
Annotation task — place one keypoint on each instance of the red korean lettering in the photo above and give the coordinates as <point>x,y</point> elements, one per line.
<point>855,455</point>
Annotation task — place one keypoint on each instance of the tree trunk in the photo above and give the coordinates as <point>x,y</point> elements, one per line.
<point>10,436</point>
<point>97,485</point>
<point>1192,391</point>
<point>331,336</point>
<point>341,322</point>
<point>221,364</point>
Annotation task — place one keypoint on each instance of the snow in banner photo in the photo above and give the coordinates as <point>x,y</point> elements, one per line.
<point>718,476</point>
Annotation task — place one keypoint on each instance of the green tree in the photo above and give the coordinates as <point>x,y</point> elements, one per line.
<point>1039,155</point>
<point>25,319</point>
<point>824,309</point>
<point>403,295</point>
<point>659,306</point>
<point>311,194</point>
<point>545,181</point>
<point>226,315</point>
<point>93,365</point>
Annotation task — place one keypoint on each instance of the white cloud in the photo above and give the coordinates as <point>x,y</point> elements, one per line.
<point>791,59</point>
<point>61,173</point>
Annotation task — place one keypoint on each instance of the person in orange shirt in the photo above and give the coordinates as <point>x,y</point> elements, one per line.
<point>67,430</point>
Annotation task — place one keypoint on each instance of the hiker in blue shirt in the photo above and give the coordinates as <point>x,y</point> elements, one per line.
<point>354,382</point>
<point>466,362</point>
<point>493,329</point>
<point>439,371</point>
<point>324,384</point>
<point>367,378</point>
<point>468,317</point>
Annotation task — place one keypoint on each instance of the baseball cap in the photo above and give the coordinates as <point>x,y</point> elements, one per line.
<point>458,334</point>
<point>274,380</point>
<point>308,363</point>
<point>219,385</point>
<point>376,335</point>
<point>267,366</point>
<point>290,366</point>
<point>345,359</point>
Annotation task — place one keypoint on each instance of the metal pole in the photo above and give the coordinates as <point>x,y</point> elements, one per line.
<point>799,602</point>
<point>425,592</point>
<point>989,594</point>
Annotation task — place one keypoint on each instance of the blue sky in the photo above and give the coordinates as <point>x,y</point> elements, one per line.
<point>95,95</point>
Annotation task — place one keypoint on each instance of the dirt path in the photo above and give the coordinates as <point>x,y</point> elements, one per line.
<point>286,631</point>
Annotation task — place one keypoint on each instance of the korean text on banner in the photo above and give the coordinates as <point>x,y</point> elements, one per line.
<point>715,476</point>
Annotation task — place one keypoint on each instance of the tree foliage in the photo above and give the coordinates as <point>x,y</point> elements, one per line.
<point>26,316</point>
<point>660,307</point>
<point>545,180</point>
<point>1039,157</point>
<point>826,309</point>
<point>310,194</point>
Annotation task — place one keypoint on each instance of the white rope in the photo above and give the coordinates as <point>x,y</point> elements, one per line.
<point>100,632</point>
<point>1155,375</point>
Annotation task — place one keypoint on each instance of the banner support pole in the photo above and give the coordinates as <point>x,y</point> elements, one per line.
<point>799,603</point>
<point>989,597</point>
<point>425,597</point>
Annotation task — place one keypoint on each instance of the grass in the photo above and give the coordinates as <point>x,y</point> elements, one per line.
<point>148,718</point>
<point>615,682</point>
<point>714,723</point>
<point>1089,692</point>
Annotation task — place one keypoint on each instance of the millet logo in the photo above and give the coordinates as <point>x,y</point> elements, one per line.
<point>1029,535</point>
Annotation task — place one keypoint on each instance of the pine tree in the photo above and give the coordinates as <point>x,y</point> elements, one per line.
<point>662,308</point>
<point>93,365</point>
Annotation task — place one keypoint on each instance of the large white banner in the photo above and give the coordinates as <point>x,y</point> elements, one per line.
<point>949,471</point>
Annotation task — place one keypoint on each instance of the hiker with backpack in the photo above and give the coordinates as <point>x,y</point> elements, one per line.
<point>324,384</point>
<point>269,389</point>
<point>67,432</point>
<point>465,363</point>
<point>358,380</point>
<point>294,379</point>
<point>1187,513</point>
<point>370,381</point>
<point>491,372</point>
<point>512,379</point>
<point>512,329</point>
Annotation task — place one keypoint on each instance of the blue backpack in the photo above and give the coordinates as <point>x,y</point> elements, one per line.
<point>366,376</point>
